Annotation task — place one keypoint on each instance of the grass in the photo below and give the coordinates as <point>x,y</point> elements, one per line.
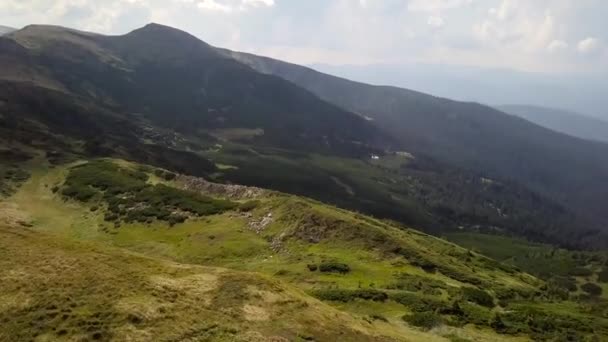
<point>61,290</point>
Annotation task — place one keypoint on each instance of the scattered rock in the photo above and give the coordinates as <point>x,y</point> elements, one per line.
<point>259,225</point>
<point>231,191</point>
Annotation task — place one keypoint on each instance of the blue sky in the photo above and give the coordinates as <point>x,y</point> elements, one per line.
<point>531,35</point>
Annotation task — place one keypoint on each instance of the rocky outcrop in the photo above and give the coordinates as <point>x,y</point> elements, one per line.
<point>231,191</point>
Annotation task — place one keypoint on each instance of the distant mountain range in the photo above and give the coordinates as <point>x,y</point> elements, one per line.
<point>160,96</point>
<point>571,123</point>
<point>5,30</point>
<point>581,92</point>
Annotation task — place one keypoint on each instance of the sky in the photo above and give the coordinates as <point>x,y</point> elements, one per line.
<point>550,36</point>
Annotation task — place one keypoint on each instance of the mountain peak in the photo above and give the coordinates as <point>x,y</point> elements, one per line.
<point>159,31</point>
<point>163,43</point>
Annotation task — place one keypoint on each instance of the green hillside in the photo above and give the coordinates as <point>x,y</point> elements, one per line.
<point>381,279</point>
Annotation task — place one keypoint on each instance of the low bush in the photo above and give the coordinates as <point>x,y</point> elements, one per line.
<point>418,303</point>
<point>344,295</point>
<point>566,283</point>
<point>130,198</point>
<point>166,175</point>
<point>592,289</point>
<point>312,267</point>
<point>425,320</point>
<point>580,272</point>
<point>334,267</point>
<point>603,275</point>
<point>478,296</point>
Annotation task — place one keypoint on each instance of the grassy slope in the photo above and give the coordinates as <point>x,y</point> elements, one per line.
<point>56,289</point>
<point>283,249</point>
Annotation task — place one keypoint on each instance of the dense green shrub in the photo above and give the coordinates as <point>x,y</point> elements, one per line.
<point>312,267</point>
<point>592,289</point>
<point>425,320</point>
<point>410,282</point>
<point>82,194</point>
<point>567,283</point>
<point>334,267</point>
<point>542,325</point>
<point>580,272</point>
<point>476,314</point>
<point>166,175</point>
<point>130,198</point>
<point>478,296</point>
<point>418,303</point>
<point>343,295</point>
<point>603,275</point>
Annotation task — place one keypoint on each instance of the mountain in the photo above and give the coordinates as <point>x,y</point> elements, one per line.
<point>127,211</point>
<point>470,136</point>
<point>78,94</point>
<point>203,92</point>
<point>571,123</point>
<point>579,92</point>
<point>6,30</point>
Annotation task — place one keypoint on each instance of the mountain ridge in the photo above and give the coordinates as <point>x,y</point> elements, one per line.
<point>110,61</point>
<point>6,30</point>
<point>568,122</point>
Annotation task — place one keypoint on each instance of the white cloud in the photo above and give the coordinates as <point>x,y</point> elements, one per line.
<point>493,33</point>
<point>256,3</point>
<point>212,5</point>
<point>435,5</point>
<point>228,6</point>
<point>557,45</point>
<point>588,45</point>
<point>506,10</point>
<point>435,21</point>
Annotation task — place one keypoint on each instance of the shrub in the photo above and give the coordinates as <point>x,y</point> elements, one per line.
<point>248,206</point>
<point>566,283</point>
<point>603,275</point>
<point>343,295</point>
<point>592,289</point>
<point>419,303</point>
<point>371,294</point>
<point>166,175</point>
<point>124,190</point>
<point>334,267</point>
<point>425,320</point>
<point>175,219</point>
<point>580,272</point>
<point>312,267</point>
<point>478,296</point>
